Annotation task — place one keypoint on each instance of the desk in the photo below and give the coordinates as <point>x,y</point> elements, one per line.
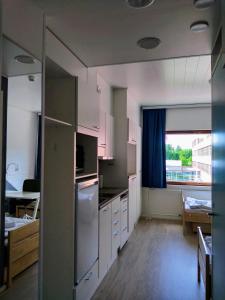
<point>25,196</point>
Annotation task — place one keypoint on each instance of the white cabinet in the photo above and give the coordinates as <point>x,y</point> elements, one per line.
<point>123,221</point>
<point>132,207</point>
<point>115,227</point>
<point>132,136</point>
<point>106,130</point>
<point>88,285</point>
<point>109,153</point>
<point>105,226</point>
<point>88,103</point>
<point>106,136</point>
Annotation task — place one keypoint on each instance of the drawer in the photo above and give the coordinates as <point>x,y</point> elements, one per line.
<point>116,208</point>
<point>196,217</point>
<point>115,225</point>
<point>115,243</point>
<point>124,218</point>
<point>123,236</point>
<point>88,285</point>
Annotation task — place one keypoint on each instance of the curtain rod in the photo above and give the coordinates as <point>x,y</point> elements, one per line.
<point>177,106</point>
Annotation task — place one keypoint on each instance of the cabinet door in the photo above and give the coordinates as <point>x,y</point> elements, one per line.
<point>104,240</point>
<point>131,131</point>
<point>109,136</point>
<point>132,207</point>
<point>88,102</point>
<point>102,130</point>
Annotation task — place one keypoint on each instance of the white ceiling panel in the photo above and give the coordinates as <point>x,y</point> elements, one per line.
<point>106,32</point>
<point>173,81</point>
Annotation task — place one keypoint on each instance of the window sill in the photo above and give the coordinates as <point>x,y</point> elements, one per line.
<point>189,183</point>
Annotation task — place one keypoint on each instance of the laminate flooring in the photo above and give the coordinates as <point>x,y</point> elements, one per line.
<point>24,286</point>
<point>157,263</point>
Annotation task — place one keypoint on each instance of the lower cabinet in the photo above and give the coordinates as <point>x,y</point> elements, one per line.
<point>104,240</point>
<point>123,221</point>
<point>132,207</point>
<point>88,285</point>
<point>115,228</point>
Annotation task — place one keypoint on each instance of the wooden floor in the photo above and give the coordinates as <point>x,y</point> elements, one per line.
<point>24,286</point>
<point>158,263</point>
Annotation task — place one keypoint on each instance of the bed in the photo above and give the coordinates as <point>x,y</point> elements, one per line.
<point>21,245</point>
<point>197,206</point>
<point>204,266</point>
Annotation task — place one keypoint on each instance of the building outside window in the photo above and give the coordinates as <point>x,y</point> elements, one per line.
<point>189,158</point>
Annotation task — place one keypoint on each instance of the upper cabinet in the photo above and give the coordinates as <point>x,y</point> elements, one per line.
<point>106,131</point>
<point>88,104</point>
<point>132,138</point>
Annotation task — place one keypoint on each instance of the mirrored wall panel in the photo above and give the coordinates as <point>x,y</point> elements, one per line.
<point>22,90</point>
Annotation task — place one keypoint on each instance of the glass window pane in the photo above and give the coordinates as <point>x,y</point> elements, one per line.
<point>189,157</point>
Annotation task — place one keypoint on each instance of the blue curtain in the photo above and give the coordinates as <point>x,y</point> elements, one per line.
<point>154,149</point>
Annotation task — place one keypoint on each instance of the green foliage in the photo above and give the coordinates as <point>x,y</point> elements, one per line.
<point>185,155</point>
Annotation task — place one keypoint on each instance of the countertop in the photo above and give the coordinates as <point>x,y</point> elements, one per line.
<point>107,195</point>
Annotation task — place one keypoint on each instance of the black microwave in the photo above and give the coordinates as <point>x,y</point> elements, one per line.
<point>79,158</point>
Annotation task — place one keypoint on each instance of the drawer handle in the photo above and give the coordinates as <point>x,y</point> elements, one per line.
<point>125,209</point>
<point>105,209</point>
<point>125,228</point>
<point>96,127</point>
<point>116,211</point>
<point>89,276</point>
<point>115,233</point>
<point>116,222</point>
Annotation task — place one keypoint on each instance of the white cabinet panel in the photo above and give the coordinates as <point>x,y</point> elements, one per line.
<point>88,102</point>
<point>132,203</point>
<point>109,136</point>
<point>104,240</point>
<point>88,285</point>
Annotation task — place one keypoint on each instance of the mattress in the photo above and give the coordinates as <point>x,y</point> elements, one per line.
<point>197,205</point>
<point>14,223</point>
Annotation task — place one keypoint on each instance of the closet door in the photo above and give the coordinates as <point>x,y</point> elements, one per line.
<point>218,187</point>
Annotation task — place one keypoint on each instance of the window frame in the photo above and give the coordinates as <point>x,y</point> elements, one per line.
<point>189,183</point>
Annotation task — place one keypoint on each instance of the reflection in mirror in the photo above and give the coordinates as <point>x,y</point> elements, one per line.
<point>22,81</point>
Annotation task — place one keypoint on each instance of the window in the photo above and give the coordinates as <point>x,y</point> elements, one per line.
<point>189,157</point>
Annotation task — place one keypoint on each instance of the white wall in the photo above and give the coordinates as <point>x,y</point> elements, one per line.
<point>167,203</point>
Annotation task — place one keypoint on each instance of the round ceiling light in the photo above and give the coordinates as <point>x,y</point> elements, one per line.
<point>140,3</point>
<point>199,26</point>
<point>25,59</point>
<point>201,4</point>
<point>149,43</point>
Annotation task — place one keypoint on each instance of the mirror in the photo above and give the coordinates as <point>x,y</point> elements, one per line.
<point>22,90</point>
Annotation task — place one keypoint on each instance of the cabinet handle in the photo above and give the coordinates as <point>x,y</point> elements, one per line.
<point>105,209</point>
<point>116,212</point>
<point>102,144</point>
<point>125,209</point>
<point>115,233</point>
<point>125,228</point>
<point>89,276</point>
<point>96,127</point>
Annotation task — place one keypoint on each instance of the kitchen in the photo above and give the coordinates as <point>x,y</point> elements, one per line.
<point>91,144</point>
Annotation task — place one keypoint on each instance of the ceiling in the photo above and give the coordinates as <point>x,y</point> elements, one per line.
<point>172,81</point>
<point>11,67</point>
<point>105,32</point>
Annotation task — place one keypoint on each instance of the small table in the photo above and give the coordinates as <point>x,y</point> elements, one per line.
<point>25,196</point>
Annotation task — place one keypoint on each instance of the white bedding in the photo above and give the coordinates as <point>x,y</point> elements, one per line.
<point>197,200</point>
<point>14,223</point>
